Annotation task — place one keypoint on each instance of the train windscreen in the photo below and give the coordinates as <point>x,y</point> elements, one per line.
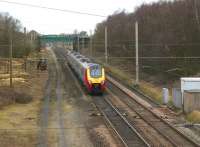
<point>96,71</point>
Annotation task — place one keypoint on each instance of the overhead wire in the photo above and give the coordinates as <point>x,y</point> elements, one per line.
<point>51,8</point>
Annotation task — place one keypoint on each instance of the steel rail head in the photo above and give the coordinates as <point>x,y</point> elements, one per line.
<point>126,121</point>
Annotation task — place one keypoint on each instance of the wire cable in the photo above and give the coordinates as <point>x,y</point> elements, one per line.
<point>51,8</point>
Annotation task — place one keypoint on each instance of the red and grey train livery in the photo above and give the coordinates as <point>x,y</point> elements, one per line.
<point>91,74</point>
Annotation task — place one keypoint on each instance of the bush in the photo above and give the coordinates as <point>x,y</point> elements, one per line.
<point>22,98</point>
<point>9,96</point>
<point>194,117</point>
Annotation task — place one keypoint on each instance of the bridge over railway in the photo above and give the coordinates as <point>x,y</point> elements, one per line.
<point>58,38</point>
<point>73,41</point>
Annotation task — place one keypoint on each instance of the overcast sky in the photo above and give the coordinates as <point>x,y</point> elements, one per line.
<point>54,22</point>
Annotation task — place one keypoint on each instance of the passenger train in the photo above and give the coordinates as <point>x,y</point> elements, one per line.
<point>91,74</point>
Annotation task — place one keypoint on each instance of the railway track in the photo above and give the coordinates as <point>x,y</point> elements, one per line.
<point>125,131</point>
<point>146,113</point>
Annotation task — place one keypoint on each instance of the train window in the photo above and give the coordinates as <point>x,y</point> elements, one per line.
<point>78,57</point>
<point>82,60</point>
<point>85,60</point>
<point>95,71</point>
<point>88,60</point>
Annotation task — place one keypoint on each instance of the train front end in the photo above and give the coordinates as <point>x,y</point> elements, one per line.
<point>95,79</point>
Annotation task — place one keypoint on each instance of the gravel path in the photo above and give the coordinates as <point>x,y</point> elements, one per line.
<point>42,135</point>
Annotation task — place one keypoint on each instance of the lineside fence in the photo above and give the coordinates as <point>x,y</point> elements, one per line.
<point>19,65</point>
<point>21,68</point>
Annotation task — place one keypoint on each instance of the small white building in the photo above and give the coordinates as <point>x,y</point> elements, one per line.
<point>190,91</point>
<point>190,84</point>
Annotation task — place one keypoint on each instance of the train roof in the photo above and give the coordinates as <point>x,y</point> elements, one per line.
<point>86,62</point>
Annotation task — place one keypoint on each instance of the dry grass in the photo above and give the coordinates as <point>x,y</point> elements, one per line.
<point>19,121</point>
<point>151,90</point>
<point>36,54</point>
<point>18,73</point>
<point>6,82</point>
<point>122,75</point>
<point>19,116</point>
<point>15,75</point>
<point>17,139</point>
<point>20,108</point>
<point>194,117</point>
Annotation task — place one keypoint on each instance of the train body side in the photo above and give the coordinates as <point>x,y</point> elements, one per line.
<point>92,75</point>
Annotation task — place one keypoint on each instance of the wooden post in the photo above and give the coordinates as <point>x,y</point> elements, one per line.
<point>11,74</point>
<point>25,49</point>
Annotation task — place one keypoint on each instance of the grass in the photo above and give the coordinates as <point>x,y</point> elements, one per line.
<point>19,123</point>
<point>194,117</point>
<point>19,116</point>
<point>151,90</point>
